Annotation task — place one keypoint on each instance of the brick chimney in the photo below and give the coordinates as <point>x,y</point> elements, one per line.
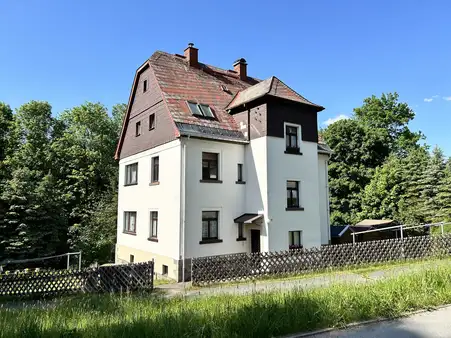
<point>240,66</point>
<point>191,55</point>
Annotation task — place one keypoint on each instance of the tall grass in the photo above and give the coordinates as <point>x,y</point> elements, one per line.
<point>255,315</point>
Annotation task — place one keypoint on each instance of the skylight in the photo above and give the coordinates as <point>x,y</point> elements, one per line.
<point>200,109</point>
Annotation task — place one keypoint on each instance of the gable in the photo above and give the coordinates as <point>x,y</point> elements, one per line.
<point>142,104</point>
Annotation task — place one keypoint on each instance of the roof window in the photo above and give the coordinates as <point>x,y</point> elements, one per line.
<point>201,110</point>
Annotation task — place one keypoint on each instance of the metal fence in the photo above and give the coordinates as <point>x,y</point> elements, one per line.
<point>245,266</point>
<point>113,278</point>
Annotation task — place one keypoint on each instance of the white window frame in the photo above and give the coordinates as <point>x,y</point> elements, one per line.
<point>299,133</point>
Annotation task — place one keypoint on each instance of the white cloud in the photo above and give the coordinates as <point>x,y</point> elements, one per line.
<point>331,120</point>
<point>447,98</point>
<point>435,96</point>
<point>428,100</point>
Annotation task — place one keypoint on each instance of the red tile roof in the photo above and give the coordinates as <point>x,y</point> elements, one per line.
<point>180,83</point>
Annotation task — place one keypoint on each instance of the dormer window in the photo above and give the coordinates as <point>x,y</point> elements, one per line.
<point>199,109</point>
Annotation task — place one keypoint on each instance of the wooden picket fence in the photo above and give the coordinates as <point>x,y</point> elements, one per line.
<point>113,278</point>
<point>248,266</point>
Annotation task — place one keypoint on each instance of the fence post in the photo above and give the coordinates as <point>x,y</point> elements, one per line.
<point>442,228</point>
<point>68,259</point>
<point>79,260</point>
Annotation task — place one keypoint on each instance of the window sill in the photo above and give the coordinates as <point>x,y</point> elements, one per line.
<point>152,128</point>
<point>239,239</point>
<point>294,209</point>
<point>210,181</point>
<point>129,233</point>
<point>210,241</point>
<point>153,239</point>
<point>293,152</point>
<point>155,183</point>
<point>240,182</point>
<point>129,184</point>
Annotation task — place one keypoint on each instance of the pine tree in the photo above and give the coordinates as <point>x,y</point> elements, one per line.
<point>444,194</point>
<point>429,184</point>
<point>410,201</point>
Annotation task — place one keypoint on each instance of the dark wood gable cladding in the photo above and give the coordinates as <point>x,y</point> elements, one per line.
<point>281,111</point>
<point>266,117</point>
<point>142,104</point>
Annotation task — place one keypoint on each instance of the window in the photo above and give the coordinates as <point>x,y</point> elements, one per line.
<point>209,225</point>
<point>291,135</point>
<point>138,128</point>
<point>294,240</point>
<point>164,269</point>
<point>132,258</point>
<point>131,174</point>
<point>210,166</point>
<point>130,222</point>
<point>153,224</point>
<point>155,169</point>
<point>240,231</point>
<point>240,172</point>
<point>151,121</point>
<point>292,194</point>
<point>200,110</point>
<point>145,86</point>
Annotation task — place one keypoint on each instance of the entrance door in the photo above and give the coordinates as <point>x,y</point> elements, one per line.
<point>255,240</point>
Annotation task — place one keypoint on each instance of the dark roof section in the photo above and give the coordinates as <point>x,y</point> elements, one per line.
<point>247,218</point>
<point>271,86</point>
<point>324,148</point>
<point>195,130</point>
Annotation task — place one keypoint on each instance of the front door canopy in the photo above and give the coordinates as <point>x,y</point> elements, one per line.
<point>247,218</point>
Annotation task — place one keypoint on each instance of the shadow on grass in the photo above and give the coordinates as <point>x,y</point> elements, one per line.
<point>264,316</point>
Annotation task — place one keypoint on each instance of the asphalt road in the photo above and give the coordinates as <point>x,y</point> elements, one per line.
<point>434,324</point>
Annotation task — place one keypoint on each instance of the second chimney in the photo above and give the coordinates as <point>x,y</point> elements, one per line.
<point>240,66</point>
<point>192,55</point>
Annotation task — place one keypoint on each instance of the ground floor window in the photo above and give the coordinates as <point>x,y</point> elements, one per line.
<point>130,222</point>
<point>240,231</point>
<point>210,225</point>
<point>294,238</point>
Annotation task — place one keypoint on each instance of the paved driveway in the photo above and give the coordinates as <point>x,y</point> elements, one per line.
<point>434,324</point>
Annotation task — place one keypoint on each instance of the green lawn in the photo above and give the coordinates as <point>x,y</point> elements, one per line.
<point>256,315</point>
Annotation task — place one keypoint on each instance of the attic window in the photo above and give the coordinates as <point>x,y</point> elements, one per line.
<point>145,86</point>
<point>201,110</point>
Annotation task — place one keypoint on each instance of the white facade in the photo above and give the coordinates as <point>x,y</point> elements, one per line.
<point>180,197</point>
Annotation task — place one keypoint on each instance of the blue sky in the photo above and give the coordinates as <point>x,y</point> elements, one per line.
<point>335,53</point>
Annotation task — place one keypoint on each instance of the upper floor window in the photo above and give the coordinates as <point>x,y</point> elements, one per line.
<point>145,86</point>
<point>151,121</point>
<point>138,128</point>
<point>292,139</point>
<point>130,222</point>
<point>155,176</point>
<point>294,240</point>
<point>210,166</point>
<point>153,224</point>
<point>201,110</point>
<point>240,173</point>
<point>292,194</point>
<point>131,174</point>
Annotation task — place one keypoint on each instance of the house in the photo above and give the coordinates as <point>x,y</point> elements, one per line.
<point>214,161</point>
